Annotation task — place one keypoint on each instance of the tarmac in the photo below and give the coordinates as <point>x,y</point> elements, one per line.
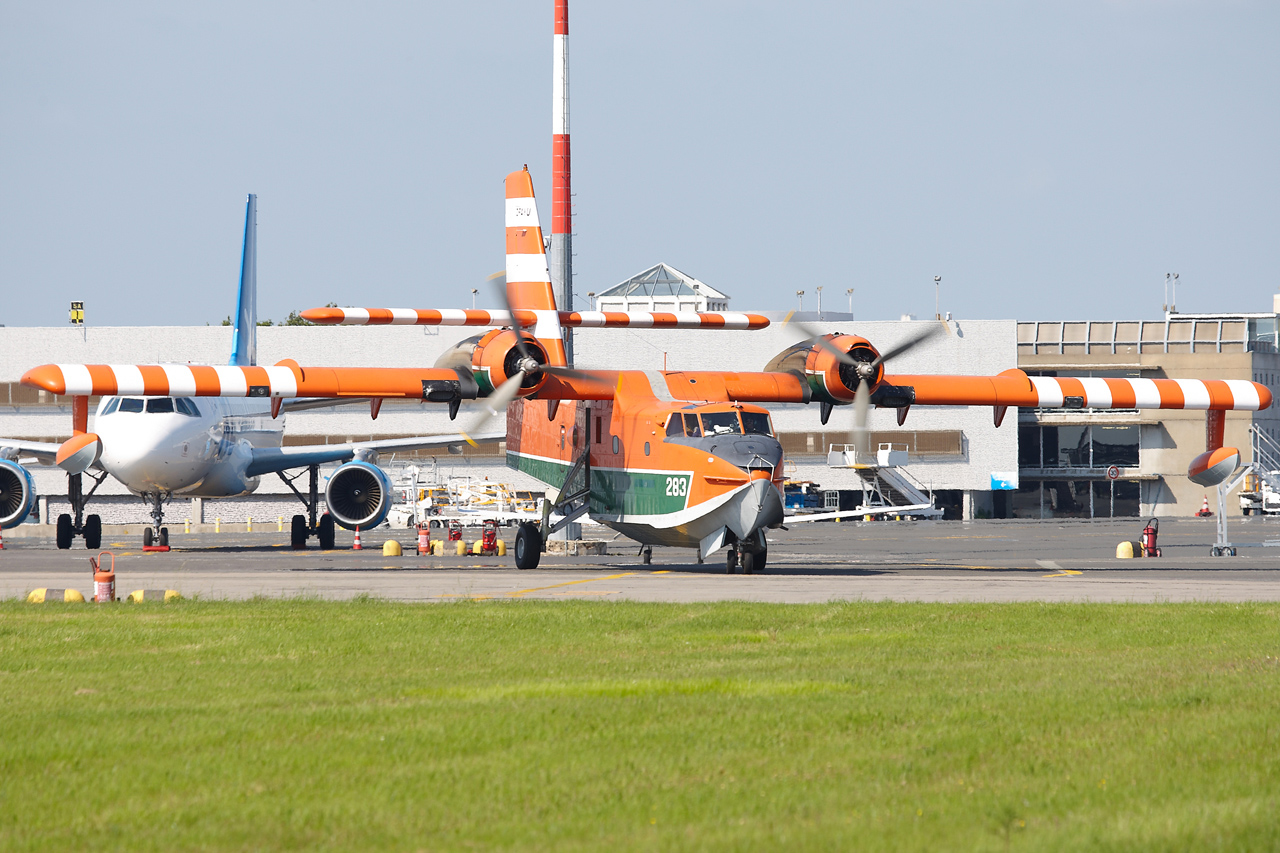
<point>977,561</point>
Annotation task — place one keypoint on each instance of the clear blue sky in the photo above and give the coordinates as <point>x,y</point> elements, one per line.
<point>1049,160</point>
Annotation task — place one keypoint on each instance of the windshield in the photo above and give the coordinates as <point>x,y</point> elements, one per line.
<point>112,405</point>
<point>130,404</point>
<point>160,405</point>
<point>756,423</point>
<point>186,407</point>
<point>721,423</point>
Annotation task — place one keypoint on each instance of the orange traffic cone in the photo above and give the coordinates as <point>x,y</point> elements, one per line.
<point>355,546</point>
<point>1205,512</point>
<point>1,539</point>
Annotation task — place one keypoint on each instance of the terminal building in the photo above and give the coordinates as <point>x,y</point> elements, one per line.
<point>1056,461</point>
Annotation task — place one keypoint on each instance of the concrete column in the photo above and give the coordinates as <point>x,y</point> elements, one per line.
<point>197,510</point>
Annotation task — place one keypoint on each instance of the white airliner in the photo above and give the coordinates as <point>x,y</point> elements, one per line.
<point>159,447</point>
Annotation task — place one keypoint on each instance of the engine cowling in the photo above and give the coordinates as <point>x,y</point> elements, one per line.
<point>829,380</point>
<point>358,495</point>
<point>17,494</point>
<point>493,358</point>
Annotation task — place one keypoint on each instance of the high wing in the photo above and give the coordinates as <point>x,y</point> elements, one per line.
<point>272,459</point>
<point>527,318</point>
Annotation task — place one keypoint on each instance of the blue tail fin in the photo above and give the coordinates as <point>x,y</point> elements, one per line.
<point>244,334</point>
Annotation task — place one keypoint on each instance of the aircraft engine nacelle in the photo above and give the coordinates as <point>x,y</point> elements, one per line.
<point>493,358</point>
<point>829,380</point>
<point>358,495</point>
<point>1214,466</point>
<point>17,493</point>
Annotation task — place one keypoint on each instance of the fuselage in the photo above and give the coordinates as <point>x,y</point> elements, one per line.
<point>190,446</point>
<point>662,472</point>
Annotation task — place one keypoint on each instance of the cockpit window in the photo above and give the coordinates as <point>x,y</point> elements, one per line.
<point>130,404</point>
<point>721,423</point>
<point>691,427</point>
<point>112,405</point>
<point>160,405</point>
<point>186,407</point>
<point>756,423</point>
<point>674,425</point>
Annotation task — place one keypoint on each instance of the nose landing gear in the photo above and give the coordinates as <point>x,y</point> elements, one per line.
<point>156,537</point>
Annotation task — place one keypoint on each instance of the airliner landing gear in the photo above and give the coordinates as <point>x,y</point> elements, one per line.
<point>304,527</point>
<point>70,526</point>
<point>156,536</point>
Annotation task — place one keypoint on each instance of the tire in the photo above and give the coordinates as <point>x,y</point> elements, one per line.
<point>65,532</point>
<point>731,561</point>
<point>528,550</point>
<point>147,534</point>
<point>298,532</point>
<point>93,532</point>
<point>760,559</point>
<point>326,532</point>
<point>750,562</point>
<point>164,537</point>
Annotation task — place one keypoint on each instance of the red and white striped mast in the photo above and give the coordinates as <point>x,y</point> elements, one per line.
<point>561,250</point>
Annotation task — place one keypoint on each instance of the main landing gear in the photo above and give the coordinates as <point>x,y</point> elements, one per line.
<point>528,545</point>
<point>90,527</point>
<point>305,526</point>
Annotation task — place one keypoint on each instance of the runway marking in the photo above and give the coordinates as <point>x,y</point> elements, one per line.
<point>484,596</point>
<point>1049,564</point>
<point>570,583</point>
<point>1064,573</point>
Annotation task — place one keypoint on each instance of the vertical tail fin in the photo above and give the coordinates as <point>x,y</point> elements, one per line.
<point>528,279</point>
<point>244,333</point>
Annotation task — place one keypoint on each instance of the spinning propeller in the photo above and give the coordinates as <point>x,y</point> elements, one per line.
<point>859,435</point>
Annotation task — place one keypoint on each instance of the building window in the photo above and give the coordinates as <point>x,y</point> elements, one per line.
<point>1092,446</point>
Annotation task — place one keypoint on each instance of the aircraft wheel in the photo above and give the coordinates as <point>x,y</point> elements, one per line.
<point>528,546</point>
<point>731,561</point>
<point>164,537</point>
<point>93,532</point>
<point>646,554</point>
<point>147,537</point>
<point>298,532</point>
<point>752,562</point>
<point>65,532</point>
<point>326,532</point>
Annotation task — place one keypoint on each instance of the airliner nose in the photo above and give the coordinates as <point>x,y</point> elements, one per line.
<point>150,452</point>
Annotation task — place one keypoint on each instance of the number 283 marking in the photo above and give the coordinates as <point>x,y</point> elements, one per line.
<point>677,486</point>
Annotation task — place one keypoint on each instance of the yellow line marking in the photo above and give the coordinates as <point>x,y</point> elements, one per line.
<point>570,583</point>
<point>663,572</point>
<point>1064,573</point>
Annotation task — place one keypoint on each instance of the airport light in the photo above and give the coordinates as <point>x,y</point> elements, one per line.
<point>474,291</point>
<point>937,308</point>
<point>591,299</point>
<point>819,290</point>
<point>800,296</point>
<point>849,293</point>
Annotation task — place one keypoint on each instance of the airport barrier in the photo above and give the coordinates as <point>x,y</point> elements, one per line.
<point>140,595</point>
<point>47,594</point>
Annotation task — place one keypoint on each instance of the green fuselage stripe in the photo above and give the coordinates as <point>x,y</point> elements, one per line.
<point>615,491</point>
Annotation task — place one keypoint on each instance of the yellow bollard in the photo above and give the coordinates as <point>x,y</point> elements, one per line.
<point>186,525</point>
<point>217,525</point>
<point>248,524</point>
<point>391,548</point>
<point>279,524</point>
<point>1124,551</point>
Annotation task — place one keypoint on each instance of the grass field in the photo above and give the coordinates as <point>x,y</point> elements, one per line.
<point>587,726</point>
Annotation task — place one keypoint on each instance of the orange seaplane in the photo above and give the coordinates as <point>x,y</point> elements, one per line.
<point>675,458</point>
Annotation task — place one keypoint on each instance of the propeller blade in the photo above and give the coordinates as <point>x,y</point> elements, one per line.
<point>499,282</point>
<point>859,435</point>
<point>908,345</point>
<point>493,405</point>
<point>817,336</point>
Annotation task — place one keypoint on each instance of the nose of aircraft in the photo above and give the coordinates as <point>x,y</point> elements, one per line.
<point>151,452</point>
<point>759,508</point>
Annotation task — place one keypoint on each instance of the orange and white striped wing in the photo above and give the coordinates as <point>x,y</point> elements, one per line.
<point>285,380</point>
<point>414,317</point>
<point>662,320</point>
<point>1015,388</point>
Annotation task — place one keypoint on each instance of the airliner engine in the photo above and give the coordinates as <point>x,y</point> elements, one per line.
<point>17,493</point>
<point>358,495</point>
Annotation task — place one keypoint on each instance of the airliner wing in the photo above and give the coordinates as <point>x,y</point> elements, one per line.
<point>41,450</point>
<point>268,460</point>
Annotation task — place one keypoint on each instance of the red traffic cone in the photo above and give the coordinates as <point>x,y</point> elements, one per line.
<point>355,546</point>
<point>1,539</point>
<point>1205,512</point>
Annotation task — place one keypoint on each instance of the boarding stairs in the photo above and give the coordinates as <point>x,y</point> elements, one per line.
<point>885,483</point>
<point>1266,457</point>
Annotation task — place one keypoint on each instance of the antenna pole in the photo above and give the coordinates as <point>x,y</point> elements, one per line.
<point>561,258</point>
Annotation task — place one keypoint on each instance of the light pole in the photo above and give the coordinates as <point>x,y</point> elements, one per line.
<point>800,296</point>
<point>937,307</point>
<point>849,293</point>
<point>819,290</point>
<point>1170,289</point>
<point>474,291</point>
<point>591,299</point>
